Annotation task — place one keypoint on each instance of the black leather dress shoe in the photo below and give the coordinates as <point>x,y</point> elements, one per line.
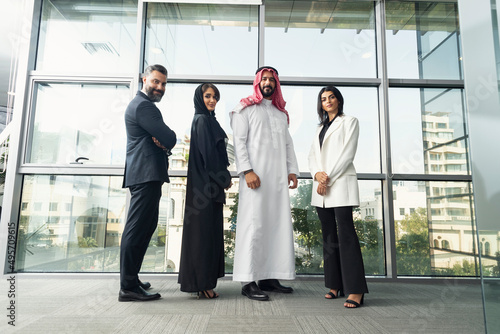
<point>145,285</point>
<point>274,285</point>
<point>252,291</point>
<point>138,294</point>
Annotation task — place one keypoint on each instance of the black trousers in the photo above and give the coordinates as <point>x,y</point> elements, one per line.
<point>141,223</point>
<point>343,262</point>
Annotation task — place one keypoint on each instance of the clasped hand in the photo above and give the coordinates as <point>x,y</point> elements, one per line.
<point>322,179</point>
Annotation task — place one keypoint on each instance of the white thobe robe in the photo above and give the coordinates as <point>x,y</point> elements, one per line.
<point>264,246</point>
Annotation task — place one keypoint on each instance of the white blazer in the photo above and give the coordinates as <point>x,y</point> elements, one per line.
<point>335,158</point>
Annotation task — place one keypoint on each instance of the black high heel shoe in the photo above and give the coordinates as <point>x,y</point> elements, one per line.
<point>340,293</point>
<point>356,304</point>
<point>206,294</point>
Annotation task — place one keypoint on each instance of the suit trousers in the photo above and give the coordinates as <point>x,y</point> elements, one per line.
<point>343,262</point>
<point>141,223</point>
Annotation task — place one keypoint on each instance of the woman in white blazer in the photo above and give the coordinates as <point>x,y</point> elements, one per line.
<point>335,193</point>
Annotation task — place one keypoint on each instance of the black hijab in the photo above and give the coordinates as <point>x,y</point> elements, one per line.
<point>220,138</point>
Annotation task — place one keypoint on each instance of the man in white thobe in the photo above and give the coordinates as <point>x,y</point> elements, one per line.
<point>266,164</point>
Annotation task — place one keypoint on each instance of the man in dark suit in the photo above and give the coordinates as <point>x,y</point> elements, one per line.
<point>149,141</point>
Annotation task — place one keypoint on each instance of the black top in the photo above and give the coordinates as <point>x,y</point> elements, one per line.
<point>146,162</point>
<point>324,130</point>
<point>208,160</point>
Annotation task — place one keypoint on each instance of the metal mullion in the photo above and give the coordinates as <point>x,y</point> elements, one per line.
<point>432,177</point>
<point>13,180</point>
<point>262,24</point>
<point>216,2</point>
<point>139,64</point>
<point>459,49</point>
<point>419,40</point>
<point>371,176</point>
<point>28,119</point>
<point>294,81</point>
<point>302,175</point>
<point>307,81</point>
<point>385,142</point>
<point>425,83</point>
<point>140,45</point>
<point>217,79</point>
<point>83,77</point>
<point>360,176</point>
<point>72,170</point>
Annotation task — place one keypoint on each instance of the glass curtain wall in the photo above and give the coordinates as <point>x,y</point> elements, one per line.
<point>423,40</point>
<point>301,100</point>
<point>312,43</point>
<point>432,200</point>
<point>328,39</point>
<point>202,39</point>
<point>72,208</point>
<point>87,36</point>
<point>70,223</point>
<point>321,38</point>
<point>78,120</point>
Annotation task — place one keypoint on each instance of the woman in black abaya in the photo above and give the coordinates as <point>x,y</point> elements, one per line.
<point>202,253</point>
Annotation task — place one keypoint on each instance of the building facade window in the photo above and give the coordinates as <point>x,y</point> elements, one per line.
<point>336,38</point>
<point>430,220</point>
<point>423,40</point>
<point>91,128</point>
<point>87,37</point>
<point>80,240</point>
<point>202,39</point>
<point>420,152</point>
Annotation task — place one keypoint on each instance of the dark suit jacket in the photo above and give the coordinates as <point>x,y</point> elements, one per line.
<point>146,162</point>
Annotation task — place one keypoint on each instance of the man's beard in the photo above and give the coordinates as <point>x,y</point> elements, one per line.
<point>269,93</point>
<point>150,92</point>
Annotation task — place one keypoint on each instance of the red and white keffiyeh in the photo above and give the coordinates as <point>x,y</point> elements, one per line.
<point>256,97</point>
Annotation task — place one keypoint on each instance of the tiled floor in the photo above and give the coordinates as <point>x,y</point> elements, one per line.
<point>89,304</point>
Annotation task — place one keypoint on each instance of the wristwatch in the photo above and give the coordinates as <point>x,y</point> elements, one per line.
<point>247,171</point>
